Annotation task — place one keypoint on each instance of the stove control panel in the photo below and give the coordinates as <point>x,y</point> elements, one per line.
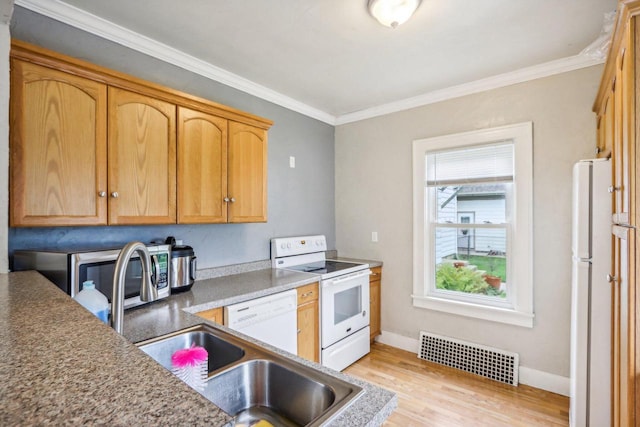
<point>289,246</point>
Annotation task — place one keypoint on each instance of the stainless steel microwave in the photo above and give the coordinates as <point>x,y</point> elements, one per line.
<point>69,269</point>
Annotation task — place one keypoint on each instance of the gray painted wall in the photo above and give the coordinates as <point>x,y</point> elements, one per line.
<point>374,193</point>
<point>301,200</point>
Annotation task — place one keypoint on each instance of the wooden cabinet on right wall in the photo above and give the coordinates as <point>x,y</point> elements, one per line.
<point>617,135</point>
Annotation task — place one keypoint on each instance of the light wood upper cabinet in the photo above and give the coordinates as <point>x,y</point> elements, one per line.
<point>58,148</point>
<point>202,167</point>
<point>142,159</point>
<point>92,146</point>
<point>247,190</point>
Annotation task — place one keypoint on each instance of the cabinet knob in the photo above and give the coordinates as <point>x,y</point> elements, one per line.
<point>611,278</point>
<point>612,188</point>
<point>226,200</point>
<point>598,149</point>
<point>299,330</point>
<point>115,194</point>
<point>102,194</point>
<point>232,199</point>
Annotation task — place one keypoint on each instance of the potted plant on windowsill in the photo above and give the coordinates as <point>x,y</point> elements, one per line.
<point>491,279</point>
<point>494,281</point>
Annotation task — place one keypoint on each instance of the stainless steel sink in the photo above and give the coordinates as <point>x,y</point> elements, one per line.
<point>265,389</point>
<point>252,383</point>
<point>221,352</point>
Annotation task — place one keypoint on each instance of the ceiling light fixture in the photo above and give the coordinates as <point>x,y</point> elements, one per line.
<point>392,13</point>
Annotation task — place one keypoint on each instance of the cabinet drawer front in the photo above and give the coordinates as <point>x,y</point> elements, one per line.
<point>307,293</point>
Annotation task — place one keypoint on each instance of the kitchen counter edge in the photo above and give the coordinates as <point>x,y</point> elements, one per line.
<point>27,294</point>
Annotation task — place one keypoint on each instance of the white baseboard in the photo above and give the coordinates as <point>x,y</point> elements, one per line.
<point>531,377</point>
<point>544,380</point>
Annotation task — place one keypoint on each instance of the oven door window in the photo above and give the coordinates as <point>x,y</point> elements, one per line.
<point>102,276</point>
<point>347,304</point>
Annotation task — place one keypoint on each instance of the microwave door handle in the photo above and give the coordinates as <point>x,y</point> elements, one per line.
<point>155,267</point>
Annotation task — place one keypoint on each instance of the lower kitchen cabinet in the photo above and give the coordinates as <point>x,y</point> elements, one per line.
<point>375,281</point>
<point>309,322</point>
<point>214,315</point>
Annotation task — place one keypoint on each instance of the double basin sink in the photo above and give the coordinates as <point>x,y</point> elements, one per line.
<point>253,384</point>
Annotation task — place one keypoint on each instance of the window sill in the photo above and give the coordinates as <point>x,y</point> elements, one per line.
<point>494,314</point>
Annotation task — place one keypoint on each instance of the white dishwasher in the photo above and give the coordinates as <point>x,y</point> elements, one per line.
<point>272,319</point>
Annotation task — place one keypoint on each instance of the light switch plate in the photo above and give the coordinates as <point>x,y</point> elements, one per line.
<point>292,162</point>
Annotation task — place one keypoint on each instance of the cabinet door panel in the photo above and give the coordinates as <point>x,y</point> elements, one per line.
<point>202,167</point>
<point>142,159</point>
<point>58,148</point>
<point>374,308</point>
<point>624,329</point>
<point>375,281</point>
<point>247,173</point>
<point>308,331</point>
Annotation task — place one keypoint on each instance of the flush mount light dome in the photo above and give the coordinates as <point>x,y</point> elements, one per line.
<point>392,13</point>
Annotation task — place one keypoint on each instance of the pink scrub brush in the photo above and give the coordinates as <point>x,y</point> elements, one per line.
<point>191,366</point>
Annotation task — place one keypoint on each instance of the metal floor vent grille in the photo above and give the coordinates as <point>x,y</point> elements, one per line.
<point>485,361</point>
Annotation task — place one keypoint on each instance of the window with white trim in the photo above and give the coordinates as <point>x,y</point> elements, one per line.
<point>473,224</point>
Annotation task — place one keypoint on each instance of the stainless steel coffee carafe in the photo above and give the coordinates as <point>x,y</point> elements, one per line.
<point>183,268</point>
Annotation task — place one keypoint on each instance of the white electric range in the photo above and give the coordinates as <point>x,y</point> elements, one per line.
<point>344,296</point>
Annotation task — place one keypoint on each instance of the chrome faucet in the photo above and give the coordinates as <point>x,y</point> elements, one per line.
<point>148,292</point>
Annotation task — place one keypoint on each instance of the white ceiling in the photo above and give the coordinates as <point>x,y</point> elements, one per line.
<point>331,60</point>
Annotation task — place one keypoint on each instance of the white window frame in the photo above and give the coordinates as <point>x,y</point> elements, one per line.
<point>518,308</point>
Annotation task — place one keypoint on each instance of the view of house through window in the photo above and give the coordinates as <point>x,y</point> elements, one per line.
<point>470,239</point>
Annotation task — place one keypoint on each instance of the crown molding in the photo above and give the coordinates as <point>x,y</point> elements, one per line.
<point>501,80</point>
<point>93,24</point>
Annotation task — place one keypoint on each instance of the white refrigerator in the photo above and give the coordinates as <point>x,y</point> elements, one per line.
<point>590,386</point>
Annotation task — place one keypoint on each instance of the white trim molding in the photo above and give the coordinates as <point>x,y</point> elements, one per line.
<point>539,71</point>
<point>528,376</point>
<point>78,18</point>
<point>93,24</point>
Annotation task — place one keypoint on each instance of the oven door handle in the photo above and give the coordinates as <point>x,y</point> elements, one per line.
<point>352,276</point>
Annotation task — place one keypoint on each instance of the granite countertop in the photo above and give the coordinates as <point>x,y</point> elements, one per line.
<point>60,364</point>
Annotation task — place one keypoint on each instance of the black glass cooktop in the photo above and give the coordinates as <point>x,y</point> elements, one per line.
<point>324,267</point>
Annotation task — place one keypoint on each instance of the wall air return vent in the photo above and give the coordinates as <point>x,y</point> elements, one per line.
<point>492,363</point>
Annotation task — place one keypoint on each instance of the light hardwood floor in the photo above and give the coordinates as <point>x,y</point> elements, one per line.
<point>434,395</point>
